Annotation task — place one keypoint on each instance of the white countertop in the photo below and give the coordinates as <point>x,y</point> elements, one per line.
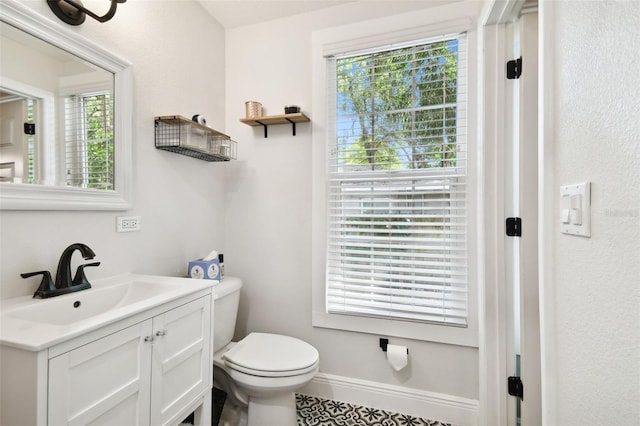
<point>36,324</point>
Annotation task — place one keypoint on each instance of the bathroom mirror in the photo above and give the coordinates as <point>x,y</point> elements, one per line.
<point>65,118</point>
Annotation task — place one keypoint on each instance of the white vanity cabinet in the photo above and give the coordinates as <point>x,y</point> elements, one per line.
<point>182,359</point>
<point>107,381</point>
<point>150,369</point>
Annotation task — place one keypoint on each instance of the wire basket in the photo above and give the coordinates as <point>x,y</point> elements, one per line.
<point>183,136</point>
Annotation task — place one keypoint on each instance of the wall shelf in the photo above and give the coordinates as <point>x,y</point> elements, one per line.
<point>268,120</point>
<point>178,134</point>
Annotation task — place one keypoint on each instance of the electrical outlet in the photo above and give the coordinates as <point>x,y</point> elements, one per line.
<point>127,223</point>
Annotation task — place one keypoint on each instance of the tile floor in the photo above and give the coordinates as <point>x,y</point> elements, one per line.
<point>314,411</point>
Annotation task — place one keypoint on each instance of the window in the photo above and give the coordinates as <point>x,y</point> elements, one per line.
<point>89,140</point>
<point>396,206</point>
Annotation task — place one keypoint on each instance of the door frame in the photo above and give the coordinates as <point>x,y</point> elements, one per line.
<point>496,314</point>
<point>521,200</point>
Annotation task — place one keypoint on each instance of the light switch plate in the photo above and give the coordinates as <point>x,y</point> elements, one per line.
<point>576,201</point>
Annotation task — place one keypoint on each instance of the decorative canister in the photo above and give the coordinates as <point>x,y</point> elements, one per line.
<point>253,109</point>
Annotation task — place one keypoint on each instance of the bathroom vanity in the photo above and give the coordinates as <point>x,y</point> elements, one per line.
<point>134,350</point>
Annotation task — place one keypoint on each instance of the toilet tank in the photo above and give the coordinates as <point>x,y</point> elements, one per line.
<point>225,310</point>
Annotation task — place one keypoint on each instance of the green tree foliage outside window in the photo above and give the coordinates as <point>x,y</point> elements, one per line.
<point>99,112</point>
<point>90,143</point>
<point>397,109</point>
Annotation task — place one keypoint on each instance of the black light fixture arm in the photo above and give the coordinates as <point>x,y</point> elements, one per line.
<point>73,12</point>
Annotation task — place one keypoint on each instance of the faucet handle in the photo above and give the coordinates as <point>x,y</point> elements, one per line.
<point>80,278</point>
<point>46,285</point>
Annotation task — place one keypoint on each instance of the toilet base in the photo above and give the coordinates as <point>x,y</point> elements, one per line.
<point>277,410</point>
<point>233,415</point>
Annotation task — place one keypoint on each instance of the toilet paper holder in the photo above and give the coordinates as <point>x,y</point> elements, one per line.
<point>383,345</point>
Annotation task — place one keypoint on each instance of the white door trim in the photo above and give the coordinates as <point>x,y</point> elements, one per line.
<point>527,277</point>
<point>494,33</point>
<point>546,214</point>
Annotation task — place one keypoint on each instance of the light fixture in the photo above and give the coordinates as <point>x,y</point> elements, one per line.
<point>73,12</point>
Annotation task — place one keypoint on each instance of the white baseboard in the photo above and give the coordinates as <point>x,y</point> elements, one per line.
<point>398,399</point>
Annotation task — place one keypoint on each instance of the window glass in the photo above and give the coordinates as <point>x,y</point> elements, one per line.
<point>396,179</point>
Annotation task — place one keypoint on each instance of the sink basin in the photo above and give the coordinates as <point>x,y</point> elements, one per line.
<point>79,306</point>
<point>35,324</point>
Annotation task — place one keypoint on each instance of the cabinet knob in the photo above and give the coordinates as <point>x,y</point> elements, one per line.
<point>148,339</point>
<point>161,333</point>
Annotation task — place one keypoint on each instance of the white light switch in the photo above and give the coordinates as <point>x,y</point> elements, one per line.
<point>575,209</point>
<point>576,216</point>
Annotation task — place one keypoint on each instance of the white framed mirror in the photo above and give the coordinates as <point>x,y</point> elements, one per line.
<point>65,118</point>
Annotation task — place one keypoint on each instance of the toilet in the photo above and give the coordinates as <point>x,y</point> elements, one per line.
<point>263,370</point>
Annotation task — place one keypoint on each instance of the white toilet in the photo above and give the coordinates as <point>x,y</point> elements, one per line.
<point>263,370</point>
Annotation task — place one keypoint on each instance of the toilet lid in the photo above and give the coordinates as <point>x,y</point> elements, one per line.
<point>271,353</point>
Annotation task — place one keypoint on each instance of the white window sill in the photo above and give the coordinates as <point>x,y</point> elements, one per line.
<point>462,336</point>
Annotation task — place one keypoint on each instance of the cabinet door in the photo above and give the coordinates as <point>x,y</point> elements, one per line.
<point>181,365</point>
<point>106,382</point>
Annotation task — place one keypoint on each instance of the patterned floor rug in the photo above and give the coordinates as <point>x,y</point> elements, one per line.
<point>314,411</point>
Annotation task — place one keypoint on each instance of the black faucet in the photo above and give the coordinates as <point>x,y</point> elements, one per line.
<point>64,284</point>
<point>63,275</point>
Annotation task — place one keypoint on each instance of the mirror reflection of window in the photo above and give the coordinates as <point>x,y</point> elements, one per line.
<point>74,141</point>
<point>88,134</point>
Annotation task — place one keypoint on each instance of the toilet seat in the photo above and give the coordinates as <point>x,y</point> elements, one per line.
<point>275,374</point>
<point>271,355</point>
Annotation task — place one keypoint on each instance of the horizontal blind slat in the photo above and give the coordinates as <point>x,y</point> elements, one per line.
<point>441,297</point>
<point>407,303</point>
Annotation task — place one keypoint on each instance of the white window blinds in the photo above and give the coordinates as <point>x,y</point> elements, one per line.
<point>88,130</point>
<point>396,244</point>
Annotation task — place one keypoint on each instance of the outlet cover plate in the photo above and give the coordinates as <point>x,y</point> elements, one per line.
<point>127,223</point>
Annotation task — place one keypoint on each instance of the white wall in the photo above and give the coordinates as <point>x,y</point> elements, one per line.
<point>180,199</point>
<point>591,287</point>
<point>269,209</point>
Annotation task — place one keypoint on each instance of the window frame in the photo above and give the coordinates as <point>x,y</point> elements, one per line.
<point>397,29</point>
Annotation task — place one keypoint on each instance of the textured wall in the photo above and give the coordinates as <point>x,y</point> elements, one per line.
<point>597,280</point>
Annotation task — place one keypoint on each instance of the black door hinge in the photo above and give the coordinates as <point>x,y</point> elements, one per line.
<point>514,68</point>
<point>515,387</point>
<point>514,227</point>
<point>29,129</point>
